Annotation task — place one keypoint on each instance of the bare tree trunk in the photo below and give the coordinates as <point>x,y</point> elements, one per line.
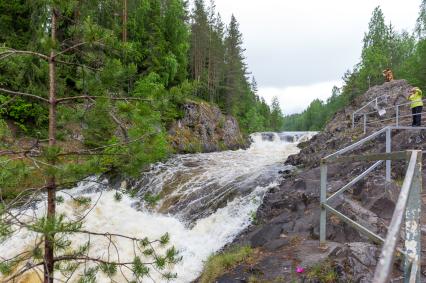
<point>125,15</point>
<point>51,191</point>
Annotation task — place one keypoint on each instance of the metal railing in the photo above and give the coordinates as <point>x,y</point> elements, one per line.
<point>375,103</point>
<point>396,117</point>
<point>409,203</point>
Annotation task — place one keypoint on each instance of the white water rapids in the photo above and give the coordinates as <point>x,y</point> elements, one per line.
<point>206,201</point>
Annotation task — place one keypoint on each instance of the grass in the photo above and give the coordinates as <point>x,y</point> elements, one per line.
<point>324,272</point>
<point>217,265</point>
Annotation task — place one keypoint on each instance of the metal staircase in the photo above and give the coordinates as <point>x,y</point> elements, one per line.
<point>408,204</point>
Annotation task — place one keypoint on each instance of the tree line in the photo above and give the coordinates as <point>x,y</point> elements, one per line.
<point>383,47</point>
<point>217,65</point>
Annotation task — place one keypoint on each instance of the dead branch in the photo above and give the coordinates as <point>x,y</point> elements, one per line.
<point>120,124</point>
<point>17,93</point>
<point>10,52</point>
<point>105,97</point>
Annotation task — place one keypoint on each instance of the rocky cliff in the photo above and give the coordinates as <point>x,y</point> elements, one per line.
<point>205,129</point>
<point>286,232</point>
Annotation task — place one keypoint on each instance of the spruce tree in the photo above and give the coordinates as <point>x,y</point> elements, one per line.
<point>276,115</point>
<point>235,67</point>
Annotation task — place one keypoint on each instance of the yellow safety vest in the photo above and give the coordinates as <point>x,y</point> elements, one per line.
<point>416,99</point>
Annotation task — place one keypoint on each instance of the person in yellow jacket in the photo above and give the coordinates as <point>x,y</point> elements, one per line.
<point>416,105</point>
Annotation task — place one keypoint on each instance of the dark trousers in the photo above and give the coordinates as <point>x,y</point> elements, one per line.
<point>417,116</point>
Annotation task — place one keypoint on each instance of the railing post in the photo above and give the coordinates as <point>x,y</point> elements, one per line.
<point>412,224</point>
<point>377,105</point>
<point>353,120</point>
<point>323,198</point>
<point>397,115</point>
<point>388,150</point>
<point>365,124</point>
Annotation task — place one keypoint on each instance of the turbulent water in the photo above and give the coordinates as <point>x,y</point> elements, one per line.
<point>206,200</point>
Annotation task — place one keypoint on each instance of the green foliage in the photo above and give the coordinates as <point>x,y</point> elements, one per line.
<point>118,196</point>
<point>52,226</point>
<point>276,115</point>
<point>151,199</point>
<point>164,240</point>
<point>82,201</point>
<point>99,128</point>
<point>28,116</point>
<point>5,231</point>
<point>323,272</point>
<point>89,275</point>
<point>217,265</point>
<point>12,173</point>
<point>139,269</point>
<point>109,269</point>
<point>136,89</point>
<point>7,267</point>
<point>5,132</point>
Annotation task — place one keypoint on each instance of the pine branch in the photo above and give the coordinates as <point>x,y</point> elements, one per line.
<point>8,102</point>
<point>78,45</point>
<point>27,268</point>
<point>86,153</point>
<point>93,259</point>
<point>121,143</point>
<point>17,93</point>
<point>114,235</point>
<point>70,48</point>
<point>107,97</point>
<point>76,64</point>
<point>11,52</point>
<point>120,124</point>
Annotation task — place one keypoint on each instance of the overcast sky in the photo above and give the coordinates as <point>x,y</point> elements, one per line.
<point>299,49</point>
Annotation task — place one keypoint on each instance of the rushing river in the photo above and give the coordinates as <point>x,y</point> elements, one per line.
<point>206,200</point>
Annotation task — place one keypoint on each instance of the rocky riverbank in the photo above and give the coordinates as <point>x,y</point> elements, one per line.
<point>205,129</point>
<point>286,228</point>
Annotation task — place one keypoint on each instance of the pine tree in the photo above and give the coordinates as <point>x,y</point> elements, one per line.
<point>78,63</point>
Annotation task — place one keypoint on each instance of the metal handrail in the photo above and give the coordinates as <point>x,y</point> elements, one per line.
<point>396,117</point>
<point>390,107</point>
<point>388,119</point>
<point>410,191</point>
<point>355,145</point>
<point>376,101</point>
<point>408,202</point>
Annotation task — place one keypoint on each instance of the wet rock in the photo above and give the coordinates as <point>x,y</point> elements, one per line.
<point>277,244</point>
<point>360,257</point>
<point>264,235</point>
<point>205,129</point>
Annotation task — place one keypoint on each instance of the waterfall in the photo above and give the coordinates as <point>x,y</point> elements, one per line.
<point>206,200</point>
